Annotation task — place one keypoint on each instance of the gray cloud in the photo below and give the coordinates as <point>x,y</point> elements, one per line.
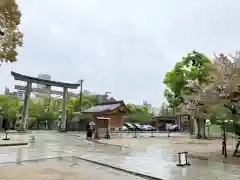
<point>124,47</point>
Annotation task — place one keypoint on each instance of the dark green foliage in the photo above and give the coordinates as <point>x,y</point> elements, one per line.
<point>139,114</point>
<point>12,37</point>
<point>138,117</point>
<point>194,66</point>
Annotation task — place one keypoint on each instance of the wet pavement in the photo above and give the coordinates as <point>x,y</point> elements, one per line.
<point>152,160</point>
<point>62,169</point>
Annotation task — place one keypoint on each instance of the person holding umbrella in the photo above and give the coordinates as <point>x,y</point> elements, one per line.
<point>89,130</point>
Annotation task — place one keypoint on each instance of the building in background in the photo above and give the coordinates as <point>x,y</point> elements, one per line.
<point>18,93</point>
<point>100,97</point>
<point>43,87</point>
<point>151,109</point>
<point>43,76</point>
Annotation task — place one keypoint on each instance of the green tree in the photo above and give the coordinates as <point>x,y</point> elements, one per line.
<point>226,83</point>
<point>39,113</point>
<point>87,102</point>
<point>194,67</point>
<point>173,100</point>
<point>11,37</point>
<point>134,108</point>
<point>138,117</point>
<point>11,107</point>
<point>139,114</point>
<point>175,81</point>
<point>165,110</point>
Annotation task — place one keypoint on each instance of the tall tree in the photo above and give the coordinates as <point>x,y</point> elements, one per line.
<point>194,68</point>
<point>227,85</point>
<point>10,37</point>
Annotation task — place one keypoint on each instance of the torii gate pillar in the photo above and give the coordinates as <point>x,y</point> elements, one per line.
<point>64,110</point>
<point>25,107</point>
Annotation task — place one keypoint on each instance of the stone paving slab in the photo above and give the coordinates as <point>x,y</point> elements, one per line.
<point>14,140</point>
<point>167,170</point>
<point>158,157</point>
<point>146,155</point>
<point>200,149</point>
<point>65,168</point>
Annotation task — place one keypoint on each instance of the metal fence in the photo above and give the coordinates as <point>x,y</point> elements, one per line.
<point>136,134</point>
<point>215,131</point>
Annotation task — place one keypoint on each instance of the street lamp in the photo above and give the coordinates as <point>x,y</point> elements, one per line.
<point>80,95</point>
<point>106,95</point>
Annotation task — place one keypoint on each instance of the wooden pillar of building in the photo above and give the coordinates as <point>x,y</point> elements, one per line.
<point>26,105</point>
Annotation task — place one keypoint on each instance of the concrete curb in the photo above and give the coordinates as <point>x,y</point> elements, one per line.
<point>14,144</point>
<point>74,135</point>
<point>108,144</point>
<point>145,176</point>
<point>91,161</point>
<point>36,160</point>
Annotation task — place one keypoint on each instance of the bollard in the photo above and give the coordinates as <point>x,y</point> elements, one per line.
<point>169,133</point>
<point>224,142</point>
<point>32,138</point>
<point>152,134</point>
<point>107,136</point>
<point>182,156</point>
<point>6,136</point>
<point>96,135</point>
<point>135,134</point>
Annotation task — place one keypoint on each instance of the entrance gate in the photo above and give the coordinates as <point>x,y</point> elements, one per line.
<point>30,80</point>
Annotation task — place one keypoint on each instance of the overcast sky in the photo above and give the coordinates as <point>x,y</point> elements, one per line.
<point>121,46</point>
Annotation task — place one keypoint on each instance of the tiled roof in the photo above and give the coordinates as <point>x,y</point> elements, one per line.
<point>106,106</point>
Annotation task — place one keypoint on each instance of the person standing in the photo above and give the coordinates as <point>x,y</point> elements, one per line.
<point>89,131</point>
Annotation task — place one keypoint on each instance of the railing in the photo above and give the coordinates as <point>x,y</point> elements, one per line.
<point>136,134</point>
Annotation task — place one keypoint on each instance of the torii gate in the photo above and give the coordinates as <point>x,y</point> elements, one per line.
<point>30,80</point>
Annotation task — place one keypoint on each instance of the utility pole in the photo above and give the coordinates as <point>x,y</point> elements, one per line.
<point>106,95</point>
<point>80,95</point>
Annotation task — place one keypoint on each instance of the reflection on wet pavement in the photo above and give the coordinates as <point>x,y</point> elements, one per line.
<point>64,168</point>
<point>153,160</point>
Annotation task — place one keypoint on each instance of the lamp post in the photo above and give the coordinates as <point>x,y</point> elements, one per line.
<point>106,95</point>
<point>80,95</point>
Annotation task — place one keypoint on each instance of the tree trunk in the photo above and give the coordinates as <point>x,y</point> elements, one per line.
<point>50,123</point>
<point>190,125</point>
<point>14,124</point>
<point>204,129</point>
<point>198,136</point>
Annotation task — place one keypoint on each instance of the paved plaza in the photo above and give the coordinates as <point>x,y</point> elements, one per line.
<point>150,156</point>
<point>198,148</point>
<point>62,169</point>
